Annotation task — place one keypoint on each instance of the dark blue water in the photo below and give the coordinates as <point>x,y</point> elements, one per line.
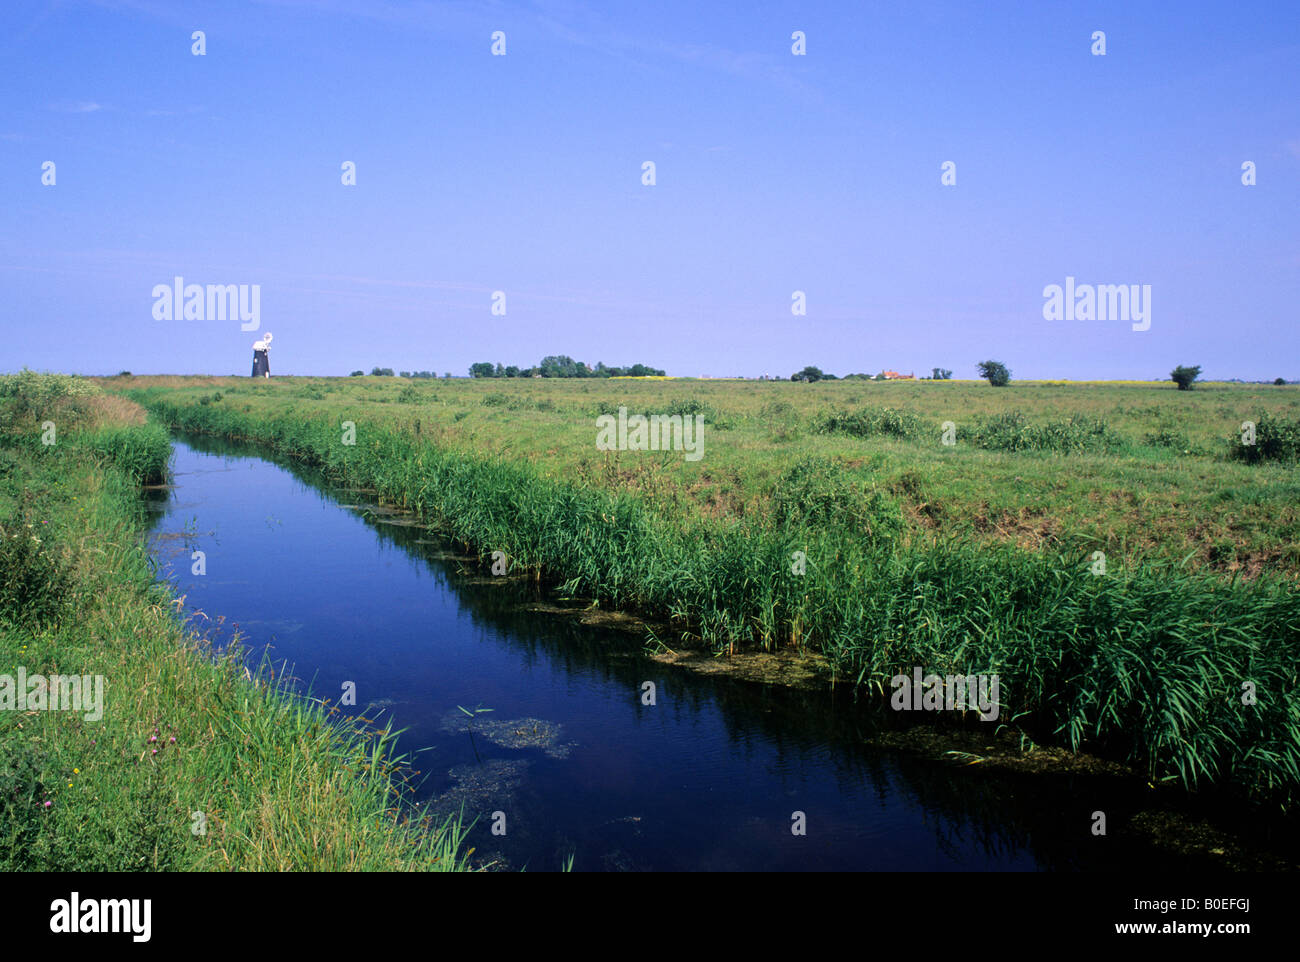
<point>708,778</point>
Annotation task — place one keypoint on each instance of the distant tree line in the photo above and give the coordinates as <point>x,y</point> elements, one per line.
<point>810,374</point>
<point>388,372</point>
<point>564,366</point>
<point>561,365</point>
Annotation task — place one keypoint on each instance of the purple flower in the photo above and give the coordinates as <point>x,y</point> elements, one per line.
<point>48,804</point>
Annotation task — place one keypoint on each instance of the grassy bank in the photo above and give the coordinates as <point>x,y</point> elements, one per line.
<point>1147,661</point>
<point>194,765</point>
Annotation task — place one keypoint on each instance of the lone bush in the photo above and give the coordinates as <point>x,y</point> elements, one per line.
<point>996,372</point>
<point>1185,377</point>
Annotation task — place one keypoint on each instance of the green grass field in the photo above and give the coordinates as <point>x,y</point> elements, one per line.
<point>832,517</point>
<point>1165,487</point>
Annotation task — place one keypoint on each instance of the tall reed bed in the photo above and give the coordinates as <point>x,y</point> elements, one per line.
<point>141,452</point>
<point>1151,664</point>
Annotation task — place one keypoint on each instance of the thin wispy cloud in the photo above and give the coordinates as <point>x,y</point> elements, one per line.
<point>181,112</point>
<point>77,107</point>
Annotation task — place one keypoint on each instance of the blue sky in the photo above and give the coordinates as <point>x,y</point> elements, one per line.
<point>775,173</point>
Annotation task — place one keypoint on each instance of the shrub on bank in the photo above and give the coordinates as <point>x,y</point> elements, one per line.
<point>33,395</point>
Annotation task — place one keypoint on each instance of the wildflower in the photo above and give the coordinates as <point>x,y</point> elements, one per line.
<point>76,771</point>
<point>173,740</point>
<point>153,738</point>
<point>154,752</point>
<point>48,803</point>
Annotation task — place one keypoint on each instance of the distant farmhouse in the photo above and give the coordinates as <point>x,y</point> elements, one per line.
<point>895,376</point>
